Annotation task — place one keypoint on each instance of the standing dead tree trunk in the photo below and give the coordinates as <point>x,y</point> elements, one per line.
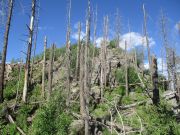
<point>143,51</point>
<point>117,28</point>
<point>6,36</point>
<point>78,52</point>
<point>50,73</point>
<point>169,52</point>
<point>35,43</point>
<point>103,57</point>
<point>156,98</point>
<point>44,68</point>
<point>147,40</point>
<point>94,34</point>
<point>126,70</point>
<point>28,57</point>
<point>86,71</point>
<point>67,84</point>
<point>94,43</point>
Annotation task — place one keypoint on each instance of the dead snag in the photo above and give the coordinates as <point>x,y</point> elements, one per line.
<point>146,37</point>
<point>117,28</point>
<point>6,36</point>
<point>67,84</point>
<point>156,98</point>
<point>50,73</point>
<point>78,52</point>
<point>44,68</point>
<point>28,57</point>
<point>86,70</point>
<point>103,80</point>
<point>35,44</point>
<point>126,68</point>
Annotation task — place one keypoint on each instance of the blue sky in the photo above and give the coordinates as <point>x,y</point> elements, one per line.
<point>53,21</point>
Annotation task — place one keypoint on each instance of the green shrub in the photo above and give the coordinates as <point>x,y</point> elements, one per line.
<point>159,120</point>
<point>51,119</point>
<point>11,85</point>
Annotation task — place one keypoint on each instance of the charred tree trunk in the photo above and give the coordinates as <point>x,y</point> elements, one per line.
<point>78,52</point>
<point>44,69</point>
<point>28,58</point>
<point>50,73</point>
<point>6,36</point>
<point>156,98</point>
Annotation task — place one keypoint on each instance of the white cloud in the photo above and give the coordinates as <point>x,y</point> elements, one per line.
<point>134,39</point>
<point>177,26</point>
<point>99,41</point>
<point>75,35</point>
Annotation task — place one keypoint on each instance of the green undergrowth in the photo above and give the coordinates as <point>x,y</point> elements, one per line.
<point>52,118</point>
<point>12,85</point>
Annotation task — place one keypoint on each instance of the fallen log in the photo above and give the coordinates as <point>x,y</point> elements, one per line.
<point>132,105</point>
<point>12,121</point>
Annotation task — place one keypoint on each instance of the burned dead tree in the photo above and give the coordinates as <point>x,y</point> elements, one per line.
<point>126,70</point>
<point>146,37</point>
<point>84,76</point>
<point>67,84</point>
<point>28,57</point>
<point>44,68</point>
<point>78,52</point>
<point>117,28</point>
<point>156,98</point>
<point>94,40</point>
<point>103,57</point>
<point>50,73</point>
<point>4,52</point>
<point>35,42</point>
<point>169,53</point>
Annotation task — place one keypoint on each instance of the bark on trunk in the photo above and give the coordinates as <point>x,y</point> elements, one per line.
<point>147,40</point>
<point>126,68</point>
<point>86,72</point>
<point>50,73</point>
<point>28,58</point>
<point>103,80</point>
<point>44,68</point>
<point>67,84</point>
<point>6,36</point>
<point>78,52</point>
<point>156,98</point>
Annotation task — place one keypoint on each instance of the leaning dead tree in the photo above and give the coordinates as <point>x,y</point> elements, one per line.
<point>50,73</point>
<point>44,68</point>
<point>67,84</point>
<point>103,55</point>
<point>156,98</point>
<point>6,36</point>
<point>78,52</point>
<point>146,37</point>
<point>28,57</point>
